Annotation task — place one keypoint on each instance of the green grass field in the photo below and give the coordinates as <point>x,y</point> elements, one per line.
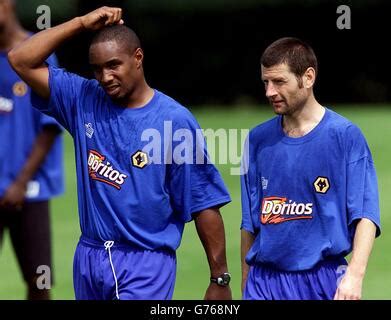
<point>193,273</point>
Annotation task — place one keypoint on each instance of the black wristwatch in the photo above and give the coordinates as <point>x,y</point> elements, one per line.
<point>222,280</point>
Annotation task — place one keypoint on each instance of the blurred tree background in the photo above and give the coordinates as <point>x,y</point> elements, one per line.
<point>208,51</point>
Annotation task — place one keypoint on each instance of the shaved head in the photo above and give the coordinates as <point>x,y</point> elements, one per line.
<point>125,37</point>
<point>116,58</point>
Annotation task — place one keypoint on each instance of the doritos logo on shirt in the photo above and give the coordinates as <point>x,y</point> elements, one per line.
<point>277,210</point>
<point>103,171</point>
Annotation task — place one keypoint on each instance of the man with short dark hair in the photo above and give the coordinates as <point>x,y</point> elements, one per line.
<point>132,209</point>
<point>309,190</point>
<point>31,170</point>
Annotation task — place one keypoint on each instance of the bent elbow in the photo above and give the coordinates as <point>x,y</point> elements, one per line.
<point>14,59</point>
<point>17,62</point>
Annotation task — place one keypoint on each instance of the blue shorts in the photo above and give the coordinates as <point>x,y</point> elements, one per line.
<point>109,271</point>
<point>318,283</point>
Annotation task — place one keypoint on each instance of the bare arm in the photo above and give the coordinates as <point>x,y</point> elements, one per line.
<point>15,194</point>
<point>247,240</point>
<point>350,287</point>
<point>28,59</point>
<point>210,228</point>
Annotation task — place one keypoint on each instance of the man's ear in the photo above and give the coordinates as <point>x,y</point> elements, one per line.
<point>309,78</point>
<point>139,56</point>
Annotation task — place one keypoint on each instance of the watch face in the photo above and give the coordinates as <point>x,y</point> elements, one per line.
<point>224,279</point>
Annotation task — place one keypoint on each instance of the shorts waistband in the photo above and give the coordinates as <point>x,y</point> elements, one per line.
<point>101,244</point>
<point>118,244</point>
<point>330,262</point>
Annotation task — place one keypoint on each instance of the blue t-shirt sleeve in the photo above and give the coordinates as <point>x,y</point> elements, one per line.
<point>43,120</point>
<point>65,90</point>
<point>48,121</point>
<point>52,60</point>
<point>362,187</point>
<point>194,184</point>
<point>248,189</point>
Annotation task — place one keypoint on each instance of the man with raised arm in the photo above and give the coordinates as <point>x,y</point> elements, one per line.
<point>132,209</point>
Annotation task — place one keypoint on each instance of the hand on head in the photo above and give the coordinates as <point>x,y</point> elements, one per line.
<point>102,17</point>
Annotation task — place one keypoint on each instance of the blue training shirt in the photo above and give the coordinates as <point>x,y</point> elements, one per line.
<point>123,195</point>
<point>301,196</point>
<point>20,124</point>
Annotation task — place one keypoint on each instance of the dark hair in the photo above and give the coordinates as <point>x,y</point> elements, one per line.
<point>123,35</point>
<point>297,54</point>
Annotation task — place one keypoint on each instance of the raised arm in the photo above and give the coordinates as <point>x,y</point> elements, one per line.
<point>28,59</point>
<point>210,228</point>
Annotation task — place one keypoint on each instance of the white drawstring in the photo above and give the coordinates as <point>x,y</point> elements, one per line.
<point>108,245</point>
